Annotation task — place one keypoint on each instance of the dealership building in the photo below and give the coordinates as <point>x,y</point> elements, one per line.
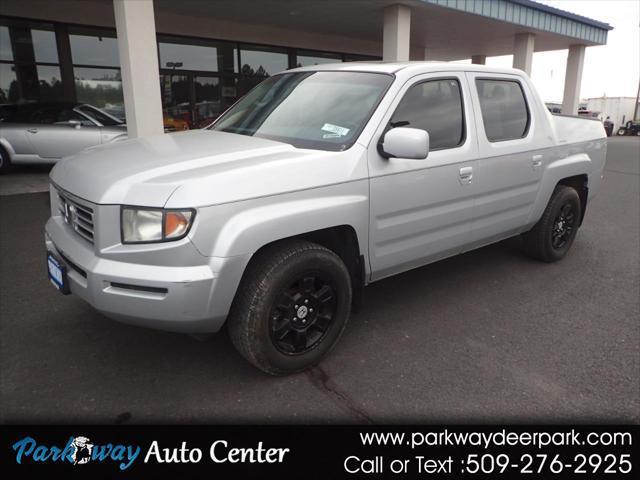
<point>191,59</point>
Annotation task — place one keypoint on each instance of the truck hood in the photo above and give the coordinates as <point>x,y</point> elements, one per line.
<point>193,168</point>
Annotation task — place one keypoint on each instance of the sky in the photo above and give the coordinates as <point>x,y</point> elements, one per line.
<point>612,70</point>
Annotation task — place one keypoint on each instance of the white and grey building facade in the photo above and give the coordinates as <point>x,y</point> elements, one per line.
<point>193,58</point>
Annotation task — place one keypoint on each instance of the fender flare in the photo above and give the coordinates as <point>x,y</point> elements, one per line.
<point>554,173</point>
<point>250,229</point>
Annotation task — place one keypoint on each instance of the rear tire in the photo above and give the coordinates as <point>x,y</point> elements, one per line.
<point>551,238</point>
<point>291,307</point>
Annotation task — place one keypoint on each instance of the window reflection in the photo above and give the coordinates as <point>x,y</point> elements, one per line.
<point>207,102</point>
<point>504,109</point>
<point>44,46</point>
<point>198,57</point>
<point>360,58</point>
<point>305,58</point>
<point>262,61</point>
<point>24,44</point>
<point>49,83</point>
<point>436,107</point>
<point>5,44</point>
<point>100,87</point>
<point>8,84</point>
<point>213,95</point>
<point>200,78</point>
<point>29,83</point>
<point>94,50</point>
<point>175,101</point>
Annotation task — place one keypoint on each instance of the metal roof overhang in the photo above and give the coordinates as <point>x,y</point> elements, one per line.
<point>449,29</point>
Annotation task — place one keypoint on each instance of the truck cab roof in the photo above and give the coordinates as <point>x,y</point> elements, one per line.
<point>413,67</point>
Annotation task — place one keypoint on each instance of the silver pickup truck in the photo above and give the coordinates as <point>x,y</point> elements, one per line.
<point>320,181</point>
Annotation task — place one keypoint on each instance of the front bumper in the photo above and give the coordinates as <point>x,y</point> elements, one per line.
<point>191,299</point>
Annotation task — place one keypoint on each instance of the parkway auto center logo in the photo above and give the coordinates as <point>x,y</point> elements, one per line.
<point>79,450</point>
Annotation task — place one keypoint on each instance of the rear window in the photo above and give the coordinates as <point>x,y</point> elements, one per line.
<point>504,109</point>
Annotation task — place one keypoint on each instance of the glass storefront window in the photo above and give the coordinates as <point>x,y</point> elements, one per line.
<point>207,101</point>
<point>94,50</point>
<point>49,83</point>
<point>213,95</point>
<point>174,90</point>
<point>5,44</point>
<point>188,57</point>
<point>306,58</point>
<point>8,84</point>
<point>100,87</point>
<point>360,58</point>
<point>204,58</point>
<point>200,78</point>
<point>262,61</point>
<point>44,46</point>
<point>24,44</point>
<point>29,83</point>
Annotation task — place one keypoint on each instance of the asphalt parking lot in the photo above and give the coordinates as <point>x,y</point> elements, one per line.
<point>489,336</point>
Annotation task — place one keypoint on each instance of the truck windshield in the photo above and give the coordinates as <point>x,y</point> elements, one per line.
<point>318,110</point>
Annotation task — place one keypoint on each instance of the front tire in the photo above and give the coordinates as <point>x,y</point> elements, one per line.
<point>551,238</point>
<point>291,307</point>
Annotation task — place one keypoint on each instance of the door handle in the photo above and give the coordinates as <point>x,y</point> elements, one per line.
<point>466,175</point>
<point>536,161</point>
<point>32,130</point>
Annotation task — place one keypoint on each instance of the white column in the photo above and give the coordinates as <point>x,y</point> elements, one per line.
<point>572,80</point>
<point>395,35</point>
<point>478,59</point>
<point>425,54</point>
<point>523,51</point>
<point>136,30</point>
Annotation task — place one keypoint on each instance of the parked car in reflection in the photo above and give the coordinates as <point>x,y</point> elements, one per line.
<point>47,132</point>
<point>172,124</point>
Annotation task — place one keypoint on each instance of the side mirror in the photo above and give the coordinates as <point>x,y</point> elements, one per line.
<point>404,142</point>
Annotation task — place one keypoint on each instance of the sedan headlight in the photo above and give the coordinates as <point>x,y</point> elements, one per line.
<point>148,225</point>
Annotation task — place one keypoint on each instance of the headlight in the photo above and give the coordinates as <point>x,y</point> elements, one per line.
<point>147,225</point>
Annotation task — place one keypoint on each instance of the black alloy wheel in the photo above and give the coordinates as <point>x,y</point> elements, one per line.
<point>303,313</point>
<point>563,226</point>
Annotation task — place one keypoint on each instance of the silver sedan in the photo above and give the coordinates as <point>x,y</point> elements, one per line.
<point>47,132</point>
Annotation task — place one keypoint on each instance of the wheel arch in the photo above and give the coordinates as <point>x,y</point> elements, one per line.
<point>572,171</point>
<point>341,240</point>
<point>5,146</point>
<point>580,183</point>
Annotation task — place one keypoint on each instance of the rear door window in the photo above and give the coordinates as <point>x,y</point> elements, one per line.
<point>504,109</point>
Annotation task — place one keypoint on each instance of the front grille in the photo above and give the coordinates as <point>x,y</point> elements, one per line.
<point>79,217</point>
